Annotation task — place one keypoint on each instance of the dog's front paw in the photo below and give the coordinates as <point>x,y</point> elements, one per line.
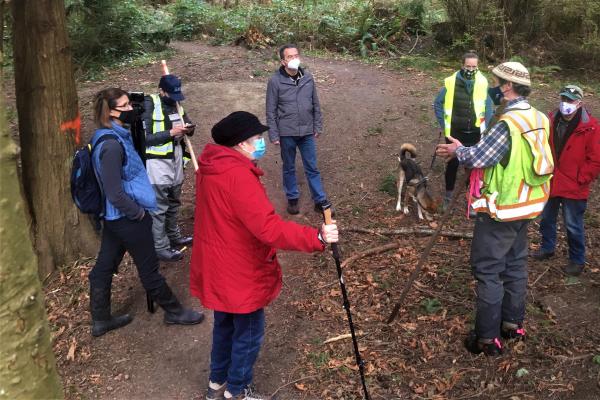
<point>405,211</point>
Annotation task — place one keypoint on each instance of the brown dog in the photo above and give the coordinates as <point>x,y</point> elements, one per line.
<point>411,175</point>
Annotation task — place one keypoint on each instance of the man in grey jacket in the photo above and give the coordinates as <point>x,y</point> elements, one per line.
<point>294,119</point>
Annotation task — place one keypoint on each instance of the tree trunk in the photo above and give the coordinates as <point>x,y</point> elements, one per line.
<point>49,129</point>
<point>27,366</point>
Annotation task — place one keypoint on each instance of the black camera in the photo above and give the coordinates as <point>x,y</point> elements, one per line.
<point>138,133</point>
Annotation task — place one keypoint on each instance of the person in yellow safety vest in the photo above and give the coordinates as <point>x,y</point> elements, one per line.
<point>517,165</point>
<point>165,156</point>
<point>462,109</point>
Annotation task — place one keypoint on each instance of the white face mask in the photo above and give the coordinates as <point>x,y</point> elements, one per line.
<point>567,108</point>
<point>294,64</point>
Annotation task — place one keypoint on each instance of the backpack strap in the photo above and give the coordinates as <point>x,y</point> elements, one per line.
<point>92,148</point>
<point>106,137</point>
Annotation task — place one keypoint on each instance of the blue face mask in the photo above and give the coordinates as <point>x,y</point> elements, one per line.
<point>496,95</point>
<point>260,148</point>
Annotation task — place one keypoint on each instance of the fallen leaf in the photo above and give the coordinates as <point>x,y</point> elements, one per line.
<point>300,386</point>
<point>71,353</point>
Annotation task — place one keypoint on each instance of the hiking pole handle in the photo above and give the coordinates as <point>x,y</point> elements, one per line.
<point>328,221</point>
<point>327,216</point>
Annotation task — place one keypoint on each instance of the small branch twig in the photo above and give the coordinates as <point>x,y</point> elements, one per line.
<point>368,252</point>
<point>304,378</point>
<point>410,231</point>
<point>539,277</point>
<point>414,45</point>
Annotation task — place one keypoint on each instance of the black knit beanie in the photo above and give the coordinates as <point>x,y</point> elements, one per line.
<point>237,127</point>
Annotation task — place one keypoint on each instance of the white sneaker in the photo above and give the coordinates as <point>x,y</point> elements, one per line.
<point>215,391</point>
<point>248,394</point>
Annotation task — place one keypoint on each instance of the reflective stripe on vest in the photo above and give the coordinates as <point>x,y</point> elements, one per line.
<point>520,189</point>
<point>158,125</point>
<point>479,98</point>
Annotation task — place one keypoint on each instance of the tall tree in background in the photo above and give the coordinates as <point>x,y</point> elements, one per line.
<point>49,129</point>
<point>27,366</point>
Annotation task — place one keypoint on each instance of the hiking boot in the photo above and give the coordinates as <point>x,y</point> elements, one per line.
<point>215,391</point>
<point>169,255</point>
<point>489,347</point>
<point>512,331</point>
<point>182,241</point>
<point>540,254</point>
<point>292,207</point>
<point>102,321</point>
<point>174,311</point>
<point>573,269</point>
<point>247,394</point>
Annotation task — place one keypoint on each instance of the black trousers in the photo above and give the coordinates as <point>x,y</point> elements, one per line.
<point>452,165</point>
<point>135,237</point>
<point>499,263</point>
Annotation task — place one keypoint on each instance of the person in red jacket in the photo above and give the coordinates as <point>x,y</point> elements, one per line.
<point>575,143</point>
<point>234,269</point>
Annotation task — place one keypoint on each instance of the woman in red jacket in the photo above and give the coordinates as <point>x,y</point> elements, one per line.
<point>575,143</point>
<point>234,269</point>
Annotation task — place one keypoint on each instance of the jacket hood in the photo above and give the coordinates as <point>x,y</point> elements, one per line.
<point>216,159</point>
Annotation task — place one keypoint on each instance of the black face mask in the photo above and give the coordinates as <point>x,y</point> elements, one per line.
<point>496,95</point>
<point>469,74</point>
<point>127,117</point>
<point>167,100</point>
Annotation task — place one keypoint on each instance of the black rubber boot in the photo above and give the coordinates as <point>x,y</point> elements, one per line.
<point>491,348</point>
<point>175,313</point>
<point>102,321</point>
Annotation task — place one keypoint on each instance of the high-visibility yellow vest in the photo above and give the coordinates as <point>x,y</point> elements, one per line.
<point>480,93</point>
<point>158,125</point>
<point>520,188</point>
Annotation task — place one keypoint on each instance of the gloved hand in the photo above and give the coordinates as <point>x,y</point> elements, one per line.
<point>329,233</point>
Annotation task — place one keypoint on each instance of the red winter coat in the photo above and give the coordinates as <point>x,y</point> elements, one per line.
<point>234,267</point>
<point>579,162</point>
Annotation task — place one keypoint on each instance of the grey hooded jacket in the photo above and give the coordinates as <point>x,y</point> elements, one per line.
<point>292,110</point>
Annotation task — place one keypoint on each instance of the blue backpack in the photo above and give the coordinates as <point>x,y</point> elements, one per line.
<point>86,190</point>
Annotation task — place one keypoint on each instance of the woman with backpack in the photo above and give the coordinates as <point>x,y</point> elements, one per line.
<point>127,223</point>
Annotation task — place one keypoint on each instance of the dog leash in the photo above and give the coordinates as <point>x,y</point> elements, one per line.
<point>433,158</point>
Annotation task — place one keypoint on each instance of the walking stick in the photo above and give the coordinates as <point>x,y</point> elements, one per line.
<point>427,250</point>
<point>336,256</point>
<point>425,254</point>
<point>186,139</point>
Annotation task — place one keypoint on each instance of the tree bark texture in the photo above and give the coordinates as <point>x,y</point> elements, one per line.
<point>27,364</point>
<point>49,129</point>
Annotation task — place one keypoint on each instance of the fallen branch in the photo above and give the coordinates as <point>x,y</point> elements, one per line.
<point>368,252</point>
<point>410,231</point>
<point>574,358</point>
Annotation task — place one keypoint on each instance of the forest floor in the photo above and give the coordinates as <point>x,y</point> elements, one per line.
<point>369,111</point>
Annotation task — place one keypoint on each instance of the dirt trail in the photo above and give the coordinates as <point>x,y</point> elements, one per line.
<point>368,112</point>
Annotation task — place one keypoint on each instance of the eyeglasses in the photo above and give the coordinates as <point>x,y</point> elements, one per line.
<point>126,106</point>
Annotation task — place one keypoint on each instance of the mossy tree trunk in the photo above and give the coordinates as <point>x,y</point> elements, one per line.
<point>49,129</point>
<point>27,364</point>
